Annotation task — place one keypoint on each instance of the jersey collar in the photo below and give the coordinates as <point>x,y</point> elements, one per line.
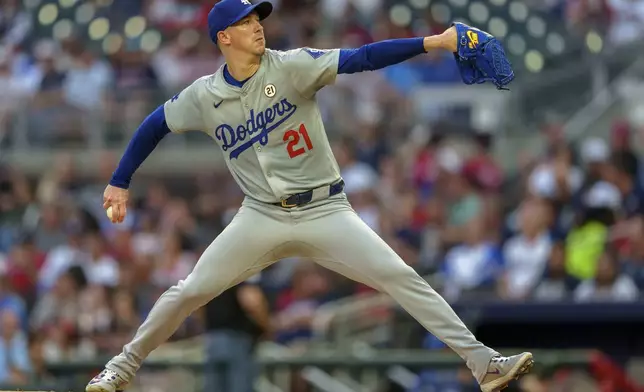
<point>232,81</point>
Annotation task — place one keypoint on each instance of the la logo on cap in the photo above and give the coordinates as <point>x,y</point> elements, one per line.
<point>247,2</point>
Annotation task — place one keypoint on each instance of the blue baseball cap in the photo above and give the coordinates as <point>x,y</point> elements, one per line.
<point>228,12</point>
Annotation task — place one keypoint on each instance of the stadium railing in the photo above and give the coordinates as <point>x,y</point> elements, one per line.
<point>326,371</point>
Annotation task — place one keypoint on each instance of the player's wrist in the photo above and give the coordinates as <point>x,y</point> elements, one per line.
<point>447,40</point>
<point>119,183</point>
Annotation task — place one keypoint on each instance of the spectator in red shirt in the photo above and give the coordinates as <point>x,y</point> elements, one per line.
<point>482,168</point>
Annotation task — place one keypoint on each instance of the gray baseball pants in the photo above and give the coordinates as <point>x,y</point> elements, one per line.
<point>328,231</point>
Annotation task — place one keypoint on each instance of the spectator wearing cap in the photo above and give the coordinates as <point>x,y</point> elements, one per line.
<point>586,241</point>
<point>610,284</point>
<point>526,254</point>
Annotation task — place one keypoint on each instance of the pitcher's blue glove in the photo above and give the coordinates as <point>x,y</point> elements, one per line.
<point>480,57</point>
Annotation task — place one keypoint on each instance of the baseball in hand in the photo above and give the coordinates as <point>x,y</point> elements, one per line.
<point>109,212</point>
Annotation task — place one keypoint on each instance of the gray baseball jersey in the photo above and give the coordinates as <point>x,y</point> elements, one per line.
<point>270,130</point>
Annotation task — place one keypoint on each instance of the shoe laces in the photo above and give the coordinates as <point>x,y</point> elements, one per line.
<point>499,360</point>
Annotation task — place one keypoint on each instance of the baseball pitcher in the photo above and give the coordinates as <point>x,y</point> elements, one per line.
<point>260,109</point>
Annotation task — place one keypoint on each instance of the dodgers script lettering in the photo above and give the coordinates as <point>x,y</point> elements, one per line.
<point>236,139</point>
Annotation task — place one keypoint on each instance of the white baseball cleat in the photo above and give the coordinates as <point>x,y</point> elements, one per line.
<point>502,370</point>
<point>107,381</point>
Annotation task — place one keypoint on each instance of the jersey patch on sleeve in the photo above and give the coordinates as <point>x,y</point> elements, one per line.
<point>315,53</point>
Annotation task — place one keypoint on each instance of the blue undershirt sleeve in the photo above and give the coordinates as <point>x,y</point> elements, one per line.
<point>379,55</point>
<point>144,141</point>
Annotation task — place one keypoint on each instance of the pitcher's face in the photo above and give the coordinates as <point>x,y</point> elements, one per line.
<point>247,35</point>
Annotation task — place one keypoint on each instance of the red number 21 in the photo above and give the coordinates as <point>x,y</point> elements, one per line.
<point>293,139</point>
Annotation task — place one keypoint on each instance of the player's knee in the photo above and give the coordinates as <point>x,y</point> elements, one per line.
<point>193,294</point>
<point>394,273</point>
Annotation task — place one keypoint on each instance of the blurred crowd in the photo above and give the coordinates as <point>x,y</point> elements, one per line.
<point>620,20</point>
<point>65,88</point>
<point>74,286</point>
